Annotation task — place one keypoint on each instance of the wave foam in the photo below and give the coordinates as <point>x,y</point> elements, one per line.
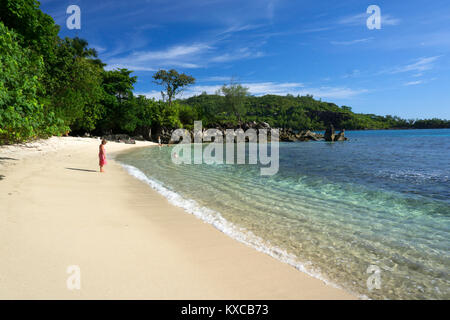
<point>215,219</point>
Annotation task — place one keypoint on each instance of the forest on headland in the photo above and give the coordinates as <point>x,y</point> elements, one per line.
<point>55,86</point>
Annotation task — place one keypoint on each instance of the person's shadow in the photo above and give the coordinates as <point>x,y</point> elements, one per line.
<point>4,159</point>
<point>85,170</point>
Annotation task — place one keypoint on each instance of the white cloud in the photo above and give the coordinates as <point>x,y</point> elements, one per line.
<point>360,19</point>
<point>333,92</point>
<point>356,19</point>
<point>99,48</point>
<point>284,88</point>
<point>263,88</point>
<point>240,28</point>
<point>151,94</point>
<point>129,66</point>
<point>420,65</point>
<point>192,56</point>
<point>242,53</point>
<point>417,82</point>
<point>184,56</point>
<point>256,88</point>
<point>413,83</point>
<point>388,20</point>
<point>196,90</point>
<point>352,74</point>
<point>312,30</point>
<point>350,42</point>
<point>217,79</point>
<point>175,52</point>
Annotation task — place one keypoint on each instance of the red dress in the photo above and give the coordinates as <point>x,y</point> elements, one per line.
<point>102,156</point>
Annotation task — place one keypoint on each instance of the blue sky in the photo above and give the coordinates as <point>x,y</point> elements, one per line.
<point>323,48</point>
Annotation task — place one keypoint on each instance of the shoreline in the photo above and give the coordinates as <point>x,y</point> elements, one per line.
<point>216,220</point>
<point>128,240</point>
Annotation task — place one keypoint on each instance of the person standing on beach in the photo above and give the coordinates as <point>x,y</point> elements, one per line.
<point>159,141</point>
<point>102,155</point>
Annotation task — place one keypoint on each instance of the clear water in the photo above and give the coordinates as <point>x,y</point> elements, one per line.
<point>333,209</point>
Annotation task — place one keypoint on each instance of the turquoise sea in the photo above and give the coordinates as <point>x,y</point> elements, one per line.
<point>381,199</point>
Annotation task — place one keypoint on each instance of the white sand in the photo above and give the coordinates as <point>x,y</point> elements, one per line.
<point>128,241</point>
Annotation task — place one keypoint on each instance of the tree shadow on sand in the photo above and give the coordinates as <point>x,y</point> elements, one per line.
<point>2,177</point>
<point>77,169</point>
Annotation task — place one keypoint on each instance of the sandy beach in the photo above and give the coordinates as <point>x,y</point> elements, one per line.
<point>57,211</point>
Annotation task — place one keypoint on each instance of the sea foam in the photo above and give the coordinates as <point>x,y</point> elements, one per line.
<point>216,220</point>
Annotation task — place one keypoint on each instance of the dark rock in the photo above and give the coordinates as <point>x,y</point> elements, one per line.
<point>287,135</point>
<point>308,135</point>
<point>122,138</point>
<point>330,133</point>
<point>138,138</point>
<point>340,136</point>
<point>263,125</point>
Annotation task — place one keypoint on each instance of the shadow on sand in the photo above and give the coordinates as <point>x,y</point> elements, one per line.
<point>85,170</point>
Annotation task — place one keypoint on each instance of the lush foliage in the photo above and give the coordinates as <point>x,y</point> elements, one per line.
<point>22,115</point>
<point>301,112</point>
<point>52,86</point>
<point>36,30</point>
<point>234,102</point>
<point>173,82</point>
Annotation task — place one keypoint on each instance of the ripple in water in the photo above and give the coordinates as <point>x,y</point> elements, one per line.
<point>333,209</point>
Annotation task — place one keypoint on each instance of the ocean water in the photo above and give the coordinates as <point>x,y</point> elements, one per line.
<point>349,213</point>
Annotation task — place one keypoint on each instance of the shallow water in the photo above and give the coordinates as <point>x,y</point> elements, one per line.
<point>333,209</point>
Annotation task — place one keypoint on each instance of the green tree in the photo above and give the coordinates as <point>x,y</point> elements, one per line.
<point>37,30</point>
<point>74,84</point>
<point>235,96</point>
<point>118,101</point>
<point>346,108</point>
<point>188,115</point>
<point>173,83</point>
<point>22,115</point>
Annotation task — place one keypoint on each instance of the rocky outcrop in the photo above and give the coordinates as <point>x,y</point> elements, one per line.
<point>288,135</point>
<point>124,138</point>
<point>165,135</point>
<point>309,135</point>
<point>285,135</point>
<point>263,125</point>
<point>330,133</point>
<point>340,136</point>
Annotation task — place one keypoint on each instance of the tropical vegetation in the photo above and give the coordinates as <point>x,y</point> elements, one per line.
<point>55,86</point>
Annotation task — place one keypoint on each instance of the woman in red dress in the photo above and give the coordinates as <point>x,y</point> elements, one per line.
<point>102,155</point>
